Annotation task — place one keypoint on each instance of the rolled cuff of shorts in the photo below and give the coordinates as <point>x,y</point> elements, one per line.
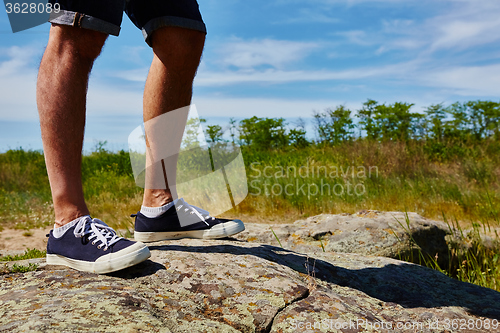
<point>74,19</point>
<point>171,21</point>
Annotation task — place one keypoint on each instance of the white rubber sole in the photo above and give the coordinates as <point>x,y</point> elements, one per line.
<point>221,230</point>
<point>102,267</point>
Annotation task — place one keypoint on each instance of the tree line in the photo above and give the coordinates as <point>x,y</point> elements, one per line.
<point>438,126</point>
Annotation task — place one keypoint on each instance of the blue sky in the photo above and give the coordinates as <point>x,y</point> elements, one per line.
<point>278,58</point>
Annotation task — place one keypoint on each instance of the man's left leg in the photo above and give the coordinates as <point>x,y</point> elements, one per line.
<point>169,86</point>
<point>177,53</point>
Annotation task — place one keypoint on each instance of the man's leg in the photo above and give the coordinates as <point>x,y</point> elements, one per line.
<point>79,242</point>
<point>61,98</point>
<point>169,87</point>
<point>177,54</point>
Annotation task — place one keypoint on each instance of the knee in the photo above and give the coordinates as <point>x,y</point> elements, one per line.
<point>76,42</point>
<point>178,47</point>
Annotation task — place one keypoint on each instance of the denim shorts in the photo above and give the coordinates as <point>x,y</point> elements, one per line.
<point>148,15</point>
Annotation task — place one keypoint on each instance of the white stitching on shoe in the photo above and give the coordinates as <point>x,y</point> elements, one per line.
<point>98,231</point>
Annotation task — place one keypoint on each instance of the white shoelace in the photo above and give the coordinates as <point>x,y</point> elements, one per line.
<point>98,230</point>
<point>193,210</point>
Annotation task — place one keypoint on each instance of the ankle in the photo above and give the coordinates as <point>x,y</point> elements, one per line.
<point>67,208</point>
<point>156,198</point>
<point>65,217</point>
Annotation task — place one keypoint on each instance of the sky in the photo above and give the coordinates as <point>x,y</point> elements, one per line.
<point>277,58</point>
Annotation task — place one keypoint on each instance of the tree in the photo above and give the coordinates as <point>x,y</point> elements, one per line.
<point>396,122</point>
<point>367,120</point>
<point>334,126</point>
<point>263,133</point>
<point>435,122</point>
<point>232,128</point>
<point>214,133</point>
<point>297,136</point>
<point>484,118</point>
<point>457,128</point>
<point>193,133</point>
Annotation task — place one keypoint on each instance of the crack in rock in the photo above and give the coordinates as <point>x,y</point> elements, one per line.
<point>298,299</point>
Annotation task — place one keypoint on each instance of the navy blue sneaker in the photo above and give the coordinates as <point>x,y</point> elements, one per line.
<point>184,221</point>
<point>91,246</point>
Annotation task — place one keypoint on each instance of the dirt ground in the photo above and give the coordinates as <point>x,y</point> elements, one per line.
<point>15,239</point>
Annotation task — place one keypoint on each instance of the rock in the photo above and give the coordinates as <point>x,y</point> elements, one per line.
<point>367,232</point>
<point>234,286</point>
<point>466,240</point>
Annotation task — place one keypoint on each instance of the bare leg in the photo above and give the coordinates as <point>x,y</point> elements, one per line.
<point>61,98</point>
<point>177,54</point>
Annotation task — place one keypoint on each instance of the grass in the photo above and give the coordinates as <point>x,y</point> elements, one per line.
<point>471,258</point>
<point>16,268</point>
<point>477,262</point>
<point>322,246</point>
<point>25,199</point>
<point>402,178</point>
<point>23,269</point>
<point>28,254</point>
<point>389,176</point>
<point>275,236</point>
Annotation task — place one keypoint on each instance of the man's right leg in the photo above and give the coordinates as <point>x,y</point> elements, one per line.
<point>79,242</point>
<point>61,98</point>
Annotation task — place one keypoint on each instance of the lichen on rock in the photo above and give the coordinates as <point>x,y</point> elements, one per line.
<point>236,286</point>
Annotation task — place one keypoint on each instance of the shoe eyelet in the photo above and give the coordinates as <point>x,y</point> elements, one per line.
<point>99,246</point>
<point>93,243</point>
<point>105,249</point>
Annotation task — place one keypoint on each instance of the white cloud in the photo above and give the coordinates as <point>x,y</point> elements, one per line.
<point>396,25</point>
<point>18,82</point>
<point>116,100</point>
<point>274,76</point>
<point>18,101</point>
<point>244,55</point>
<point>134,75</point>
<point>479,29</point>
<point>208,77</point>
<point>460,24</point>
<point>263,107</point>
<point>309,15</point>
<point>18,75</point>
<point>452,80</point>
<point>18,60</point>
<point>259,52</point>
<point>358,37</point>
<point>135,54</point>
<point>467,24</point>
<point>466,80</point>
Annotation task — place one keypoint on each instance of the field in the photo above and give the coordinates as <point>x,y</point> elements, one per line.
<point>439,169</point>
<point>283,185</point>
